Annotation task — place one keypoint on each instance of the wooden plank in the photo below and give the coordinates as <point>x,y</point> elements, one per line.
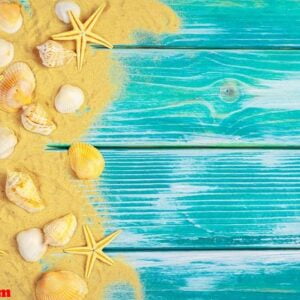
<point>234,275</point>
<point>199,199</point>
<point>179,98</point>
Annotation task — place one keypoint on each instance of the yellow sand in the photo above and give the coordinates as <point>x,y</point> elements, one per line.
<point>50,170</point>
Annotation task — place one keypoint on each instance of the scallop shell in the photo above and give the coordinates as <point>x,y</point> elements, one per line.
<point>62,8</point>
<point>53,54</point>
<point>34,118</point>
<point>59,232</point>
<point>7,53</point>
<point>31,244</point>
<point>17,84</point>
<point>86,161</point>
<point>61,285</point>
<point>21,190</point>
<point>11,19</point>
<point>8,141</point>
<point>69,99</point>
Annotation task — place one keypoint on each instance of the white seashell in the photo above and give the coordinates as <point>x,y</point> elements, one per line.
<point>8,141</point>
<point>31,244</point>
<point>11,19</point>
<point>53,54</point>
<point>34,118</point>
<point>69,99</point>
<point>7,52</point>
<point>62,8</point>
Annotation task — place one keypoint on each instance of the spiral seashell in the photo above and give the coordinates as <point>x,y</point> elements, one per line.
<point>7,53</point>
<point>11,19</point>
<point>34,118</point>
<point>53,54</point>
<point>62,8</point>
<point>17,85</point>
<point>21,190</point>
<point>8,141</point>
<point>59,232</point>
<point>61,285</point>
<point>86,161</point>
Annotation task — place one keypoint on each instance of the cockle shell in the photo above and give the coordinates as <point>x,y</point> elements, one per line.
<point>34,118</point>
<point>31,244</point>
<point>17,84</point>
<point>53,54</point>
<point>7,53</point>
<point>86,161</point>
<point>11,19</point>
<point>8,141</point>
<point>69,99</point>
<point>61,285</point>
<point>59,232</point>
<point>21,190</point>
<point>62,8</point>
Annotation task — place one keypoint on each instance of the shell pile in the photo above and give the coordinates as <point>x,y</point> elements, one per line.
<point>34,118</point>
<point>8,141</point>
<point>16,87</point>
<point>53,54</point>
<point>11,19</point>
<point>62,8</point>
<point>61,285</point>
<point>21,190</point>
<point>86,161</point>
<point>6,53</point>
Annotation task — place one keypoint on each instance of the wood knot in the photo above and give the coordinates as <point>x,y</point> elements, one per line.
<point>230,91</point>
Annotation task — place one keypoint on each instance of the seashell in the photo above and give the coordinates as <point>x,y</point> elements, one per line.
<point>69,99</point>
<point>34,118</point>
<point>21,190</point>
<point>8,141</point>
<point>62,8</point>
<point>53,54</point>
<point>16,87</point>
<point>7,53</point>
<point>86,161</point>
<point>59,232</point>
<point>31,244</point>
<point>61,285</point>
<point>11,19</point>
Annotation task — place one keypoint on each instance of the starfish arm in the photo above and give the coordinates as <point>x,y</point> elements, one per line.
<point>78,52</point>
<point>105,241</point>
<point>90,23</point>
<point>90,264</point>
<point>91,243</point>
<point>76,23</point>
<point>104,258</point>
<point>82,51</point>
<point>78,250</point>
<point>94,38</point>
<point>65,36</point>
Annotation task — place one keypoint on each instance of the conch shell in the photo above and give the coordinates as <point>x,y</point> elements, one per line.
<point>8,141</point>
<point>17,84</point>
<point>31,244</point>
<point>53,54</point>
<point>86,161</point>
<point>11,19</point>
<point>61,285</point>
<point>7,52</point>
<point>34,118</point>
<point>21,190</point>
<point>59,232</point>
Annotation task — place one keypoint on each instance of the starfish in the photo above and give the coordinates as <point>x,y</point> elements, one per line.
<point>93,250</point>
<point>82,34</point>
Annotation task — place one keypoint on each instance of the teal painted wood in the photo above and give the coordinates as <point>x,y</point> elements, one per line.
<point>199,199</point>
<point>189,97</point>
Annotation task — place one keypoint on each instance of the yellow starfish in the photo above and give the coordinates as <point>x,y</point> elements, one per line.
<point>93,250</point>
<point>82,34</point>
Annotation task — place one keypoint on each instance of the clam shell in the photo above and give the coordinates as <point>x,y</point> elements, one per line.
<point>8,141</point>
<point>31,244</point>
<point>53,54</point>
<point>16,87</point>
<point>7,53</point>
<point>69,99</point>
<point>11,19</point>
<point>86,161</point>
<point>59,232</point>
<point>62,8</point>
<point>21,190</point>
<point>61,285</point>
<point>34,118</point>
